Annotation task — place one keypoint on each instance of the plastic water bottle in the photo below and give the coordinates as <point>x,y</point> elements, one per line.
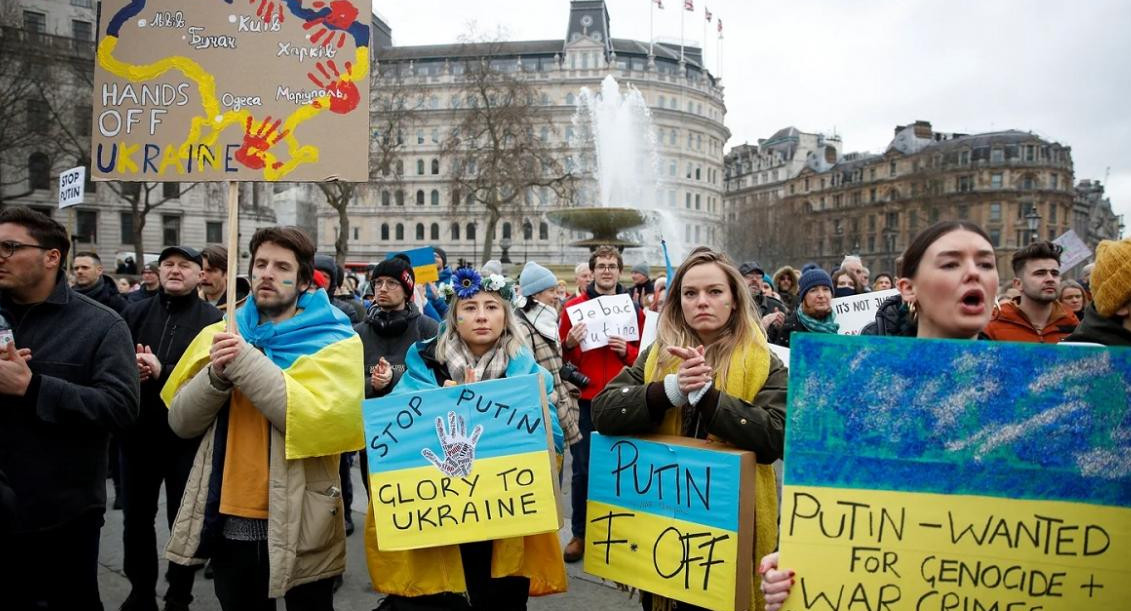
<point>6,336</point>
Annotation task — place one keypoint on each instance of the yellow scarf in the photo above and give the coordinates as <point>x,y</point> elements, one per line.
<point>749,368</point>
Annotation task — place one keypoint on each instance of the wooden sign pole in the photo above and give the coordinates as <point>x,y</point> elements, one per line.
<point>233,252</point>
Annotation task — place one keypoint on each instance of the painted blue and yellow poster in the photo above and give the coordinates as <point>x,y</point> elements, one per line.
<point>673,516</point>
<point>217,90</point>
<point>934,475</point>
<point>460,464</point>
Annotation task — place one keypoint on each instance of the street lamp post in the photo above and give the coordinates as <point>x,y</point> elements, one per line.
<point>1032,220</point>
<point>505,244</point>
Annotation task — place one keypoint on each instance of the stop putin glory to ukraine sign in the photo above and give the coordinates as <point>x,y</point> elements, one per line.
<point>461,464</point>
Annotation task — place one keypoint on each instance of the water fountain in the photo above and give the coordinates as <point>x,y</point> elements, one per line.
<point>616,137</point>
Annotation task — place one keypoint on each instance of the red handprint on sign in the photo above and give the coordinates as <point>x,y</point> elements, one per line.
<point>344,95</point>
<point>255,145</point>
<point>341,17</point>
<point>267,8</point>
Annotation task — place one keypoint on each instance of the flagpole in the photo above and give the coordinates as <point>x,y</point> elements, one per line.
<point>703,45</point>
<point>682,12</point>
<point>651,24</point>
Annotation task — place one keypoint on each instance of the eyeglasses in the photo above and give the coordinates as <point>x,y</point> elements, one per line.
<point>607,268</point>
<point>9,247</point>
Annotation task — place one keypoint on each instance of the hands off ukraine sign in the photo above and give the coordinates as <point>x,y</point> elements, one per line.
<point>460,464</point>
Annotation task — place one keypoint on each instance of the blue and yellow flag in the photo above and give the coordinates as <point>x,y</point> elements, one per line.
<point>319,353</point>
<point>423,263</point>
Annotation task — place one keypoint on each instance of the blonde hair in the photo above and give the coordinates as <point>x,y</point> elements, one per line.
<point>742,327</point>
<point>512,340</point>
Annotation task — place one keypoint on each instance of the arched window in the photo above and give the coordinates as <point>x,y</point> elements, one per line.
<point>435,197</point>
<point>527,231</point>
<point>506,230</point>
<point>400,167</point>
<point>420,167</point>
<point>543,231</point>
<point>420,231</point>
<point>434,232</point>
<point>471,231</point>
<point>435,166</point>
<point>400,232</point>
<point>455,231</point>
<point>385,231</point>
<point>400,197</point>
<point>39,171</point>
<point>420,197</point>
<point>455,197</point>
<point>385,198</point>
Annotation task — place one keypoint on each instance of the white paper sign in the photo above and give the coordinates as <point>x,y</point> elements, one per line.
<point>651,326</point>
<point>855,312</point>
<point>782,353</point>
<point>71,185</point>
<point>1075,250</point>
<point>607,315</point>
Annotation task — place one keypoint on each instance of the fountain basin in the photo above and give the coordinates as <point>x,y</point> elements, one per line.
<point>604,223</point>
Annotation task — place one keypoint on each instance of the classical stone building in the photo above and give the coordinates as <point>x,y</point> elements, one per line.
<point>755,177</point>
<point>1093,218</point>
<point>873,204</point>
<point>416,209</point>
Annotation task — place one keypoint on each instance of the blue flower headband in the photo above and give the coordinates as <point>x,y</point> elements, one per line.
<point>466,283</point>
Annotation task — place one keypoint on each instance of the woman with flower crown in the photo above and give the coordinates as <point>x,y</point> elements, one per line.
<point>478,341</point>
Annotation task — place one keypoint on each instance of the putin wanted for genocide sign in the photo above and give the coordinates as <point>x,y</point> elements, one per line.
<point>945,475</point>
<point>267,90</point>
<point>460,464</point>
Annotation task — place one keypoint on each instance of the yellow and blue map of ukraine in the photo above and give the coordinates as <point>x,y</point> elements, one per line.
<point>333,24</point>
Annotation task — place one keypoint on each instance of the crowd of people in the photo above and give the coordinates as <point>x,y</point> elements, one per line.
<point>251,425</point>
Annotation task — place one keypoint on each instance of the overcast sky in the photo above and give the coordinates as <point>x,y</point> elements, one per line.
<point>1060,69</point>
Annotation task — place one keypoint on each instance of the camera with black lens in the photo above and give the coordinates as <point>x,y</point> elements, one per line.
<point>570,373</point>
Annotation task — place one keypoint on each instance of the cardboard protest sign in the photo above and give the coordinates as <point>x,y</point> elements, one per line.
<point>607,315</point>
<point>423,263</point>
<point>673,516</point>
<point>72,184</point>
<point>937,475</point>
<point>651,327</point>
<point>459,464</point>
<point>1075,250</point>
<point>268,90</point>
<point>855,312</point>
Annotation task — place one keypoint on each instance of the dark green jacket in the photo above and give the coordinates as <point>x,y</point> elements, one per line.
<point>627,406</point>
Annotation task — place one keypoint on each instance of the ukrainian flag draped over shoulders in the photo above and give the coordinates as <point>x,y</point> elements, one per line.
<point>319,353</point>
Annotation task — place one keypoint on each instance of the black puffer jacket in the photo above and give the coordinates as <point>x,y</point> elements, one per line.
<point>141,294</point>
<point>892,318</point>
<point>1098,329</point>
<point>166,324</point>
<point>389,335</point>
<point>105,291</point>
<point>84,385</point>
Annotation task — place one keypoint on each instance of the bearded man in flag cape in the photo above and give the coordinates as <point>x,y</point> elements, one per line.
<point>277,403</point>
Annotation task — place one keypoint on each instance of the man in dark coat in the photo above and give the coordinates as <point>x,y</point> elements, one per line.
<point>67,380</point>
<point>162,329</point>
<point>92,282</point>
<point>393,324</point>
<point>150,284</point>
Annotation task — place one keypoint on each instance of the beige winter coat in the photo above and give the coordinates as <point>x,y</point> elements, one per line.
<point>306,532</point>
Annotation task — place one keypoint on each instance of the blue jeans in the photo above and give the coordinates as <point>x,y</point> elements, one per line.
<point>579,483</point>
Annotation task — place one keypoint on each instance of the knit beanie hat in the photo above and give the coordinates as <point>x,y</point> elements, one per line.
<point>1111,277</point>
<point>534,279</point>
<point>814,277</point>
<point>398,270</point>
<point>642,268</point>
<point>443,255</point>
